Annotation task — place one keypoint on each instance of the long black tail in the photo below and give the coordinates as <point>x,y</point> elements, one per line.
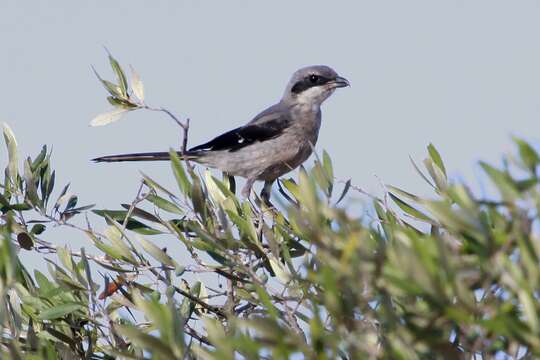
<point>149,156</point>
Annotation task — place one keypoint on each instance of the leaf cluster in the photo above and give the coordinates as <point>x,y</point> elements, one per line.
<point>196,272</point>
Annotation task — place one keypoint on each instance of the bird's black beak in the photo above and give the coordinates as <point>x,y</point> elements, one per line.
<point>340,82</point>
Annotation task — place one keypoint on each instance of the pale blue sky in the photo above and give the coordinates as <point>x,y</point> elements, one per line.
<point>461,74</point>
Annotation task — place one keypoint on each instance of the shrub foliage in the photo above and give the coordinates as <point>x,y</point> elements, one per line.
<point>446,276</point>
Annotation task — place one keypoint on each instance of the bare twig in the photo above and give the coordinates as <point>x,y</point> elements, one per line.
<point>197,336</point>
<point>195,299</point>
<point>183,125</point>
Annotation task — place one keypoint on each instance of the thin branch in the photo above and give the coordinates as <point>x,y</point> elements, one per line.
<point>196,336</point>
<point>183,125</point>
<point>191,297</point>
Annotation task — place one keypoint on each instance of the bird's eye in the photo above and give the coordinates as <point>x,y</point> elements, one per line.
<point>313,78</point>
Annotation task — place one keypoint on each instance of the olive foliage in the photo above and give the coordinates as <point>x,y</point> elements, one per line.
<point>450,276</point>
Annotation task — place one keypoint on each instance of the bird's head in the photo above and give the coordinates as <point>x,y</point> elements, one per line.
<point>313,84</point>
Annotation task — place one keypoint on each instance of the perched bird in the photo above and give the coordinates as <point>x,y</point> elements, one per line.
<point>275,142</point>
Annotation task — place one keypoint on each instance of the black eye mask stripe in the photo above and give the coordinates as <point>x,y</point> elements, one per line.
<point>306,83</point>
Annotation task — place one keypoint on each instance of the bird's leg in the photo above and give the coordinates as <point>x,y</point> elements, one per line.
<point>265,193</point>
<point>231,182</point>
<point>246,190</point>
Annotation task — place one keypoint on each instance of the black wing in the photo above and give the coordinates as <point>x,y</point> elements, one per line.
<point>245,135</point>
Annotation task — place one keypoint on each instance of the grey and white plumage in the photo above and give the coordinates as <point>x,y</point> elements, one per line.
<point>275,142</point>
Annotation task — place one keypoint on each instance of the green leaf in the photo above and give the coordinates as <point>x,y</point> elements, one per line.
<point>503,182</point>
<point>62,197</point>
<point>186,308</point>
<point>121,77</point>
<point>436,157</point>
<point>11,144</point>
<point>179,173</point>
<point>455,219</point>
<point>420,172</point>
<point>280,271</point>
<point>134,225</point>
<point>109,117</point>
<point>436,174</point>
<point>119,215</point>
<point>231,182</point>
<point>528,155</point>
<point>46,177</point>
<point>327,164</point>
<point>231,201</point>
<point>156,252</point>
<point>164,204</point>
<point>64,255</point>
<point>59,311</point>
<point>39,159</point>
<point>80,208</point>
<point>143,214</point>
<point>72,202</point>
<point>404,193</point>
<point>321,177</point>
<point>140,228</point>
<point>267,302</point>
<point>20,207</point>
<point>409,209</point>
<point>113,89</point>
<point>145,341</point>
<point>38,229</point>
<point>346,189</point>
<point>44,284</point>
<point>4,201</point>
<point>30,182</point>
<point>213,190</point>
<point>198,198</point>
<point>121,103</point>
<point>50,185</point>
<point>117,241</point>
<point>111,251</point>
<point>137,85</point>
<point>526,184</point>
<point>291,187</point>
<point>154,185</point>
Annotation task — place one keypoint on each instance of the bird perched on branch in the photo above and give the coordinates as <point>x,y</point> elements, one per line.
<point>275,142</point>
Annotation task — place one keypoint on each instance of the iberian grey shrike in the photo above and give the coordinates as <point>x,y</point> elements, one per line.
<point>275,142</point>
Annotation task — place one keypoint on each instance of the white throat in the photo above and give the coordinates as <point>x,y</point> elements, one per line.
<point>314,96</point>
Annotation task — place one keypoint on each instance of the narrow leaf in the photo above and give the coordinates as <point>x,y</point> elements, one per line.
<point>436,157</point>
<point>179,173</point>
<point>345,191</point>
<point>107,118</point>
<point>137,85</point>
<point>59,311</point>
<point>11,144</point>
<point>156,252</point>
<point>528,155</point>
<point>122,81</point>
<point>409,209</point>
<point>164,204</point>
